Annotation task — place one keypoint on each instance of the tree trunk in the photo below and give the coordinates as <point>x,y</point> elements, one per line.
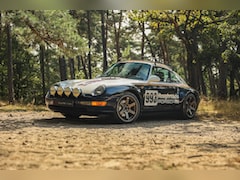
<point>42,69</point>
<point>232,88</point>
<point>202,85</point>
<point>79,63</point>
<point>10,65</point>
<point>192,67</point>
<point>117,31</point>
<point>72,68</point>
<point>193,75</point>
<point>150,47</point>
<point>143,39</point>
<point>237,77</point>
<point>222,84</point>
<point>104,41</point>
<point>0,22</point>
<point>81,60</point>
<point>164,51</point>
<point>212,83</point>
<point>182,61</point>
<point>17,76</point>
<point>89,44</point>
<point>1,59</point>
<point>237,72</point>
<point>47,69</point>
<point>1,30</point>
<point>190,42</point>
<point>62,68</point>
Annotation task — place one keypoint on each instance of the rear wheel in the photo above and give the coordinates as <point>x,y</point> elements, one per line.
<point>127,108</point>
<point>189,107</point>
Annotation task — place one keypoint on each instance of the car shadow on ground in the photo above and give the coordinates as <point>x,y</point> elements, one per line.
<point>146,120</point>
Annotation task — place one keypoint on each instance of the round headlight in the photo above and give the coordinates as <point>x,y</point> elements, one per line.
<point>60,91</point>
<point>99,90</point>
<point>76,92</point>
<point>67,91</point>
<point>53,90</point>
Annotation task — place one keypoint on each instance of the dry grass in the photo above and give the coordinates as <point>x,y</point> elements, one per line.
<point>5,107</point>
<point>220,109</point>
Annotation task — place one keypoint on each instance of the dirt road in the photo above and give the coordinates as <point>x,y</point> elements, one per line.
<point>45,140</point>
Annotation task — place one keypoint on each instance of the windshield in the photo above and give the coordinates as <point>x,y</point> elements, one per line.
<point>131,70</point>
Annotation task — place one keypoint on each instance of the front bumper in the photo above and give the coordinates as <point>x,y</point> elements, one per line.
<point>83,107</point>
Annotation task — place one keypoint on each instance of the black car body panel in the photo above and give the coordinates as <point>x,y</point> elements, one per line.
<point>154,92</point>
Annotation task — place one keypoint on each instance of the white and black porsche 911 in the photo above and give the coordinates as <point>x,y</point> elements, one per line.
<point>125,90</point>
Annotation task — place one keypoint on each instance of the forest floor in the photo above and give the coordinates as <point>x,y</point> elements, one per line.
<point>45,140</point>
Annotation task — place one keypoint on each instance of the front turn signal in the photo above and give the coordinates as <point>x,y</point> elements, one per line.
<point>98,103</point>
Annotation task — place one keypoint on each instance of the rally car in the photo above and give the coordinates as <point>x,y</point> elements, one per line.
<point>125,91</point>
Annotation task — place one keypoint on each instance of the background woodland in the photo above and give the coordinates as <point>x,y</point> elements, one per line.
<point>40,47</point>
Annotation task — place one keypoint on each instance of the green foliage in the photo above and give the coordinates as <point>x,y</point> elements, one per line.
<point>56,28</point>
<point>174,37</point>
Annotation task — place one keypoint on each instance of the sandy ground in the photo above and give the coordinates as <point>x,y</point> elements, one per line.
<point>45,140</point>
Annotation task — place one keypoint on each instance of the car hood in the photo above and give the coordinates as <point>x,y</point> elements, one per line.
<point>88,85</point>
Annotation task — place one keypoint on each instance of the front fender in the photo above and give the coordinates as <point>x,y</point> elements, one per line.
<point>118,90</point>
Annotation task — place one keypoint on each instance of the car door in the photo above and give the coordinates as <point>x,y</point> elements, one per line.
<point>162,95</point>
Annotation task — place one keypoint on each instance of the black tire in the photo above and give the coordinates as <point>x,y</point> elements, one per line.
<point>127,108</point>
<point>189,107</point>
<point>71,116</point>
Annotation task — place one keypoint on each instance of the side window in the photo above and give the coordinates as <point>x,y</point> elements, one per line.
<point>165,75</point>
<point>174,78</point>
<point>162,73</point>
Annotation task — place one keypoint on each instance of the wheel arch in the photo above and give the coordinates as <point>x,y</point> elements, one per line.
<point>122,89</point>
<point>195,93</point>
<point>137,93</point>
<point>185,106</point>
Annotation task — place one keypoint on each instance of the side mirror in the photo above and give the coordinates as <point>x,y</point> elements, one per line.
<point>153,78</point>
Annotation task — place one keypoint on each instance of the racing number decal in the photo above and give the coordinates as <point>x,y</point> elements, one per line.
<point>151,98</point>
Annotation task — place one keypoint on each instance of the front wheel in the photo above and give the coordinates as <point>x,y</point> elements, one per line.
<point>189,107</point>
<point>127,108</point>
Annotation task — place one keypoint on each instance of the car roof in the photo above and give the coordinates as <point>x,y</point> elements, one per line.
<point>152,63</point>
